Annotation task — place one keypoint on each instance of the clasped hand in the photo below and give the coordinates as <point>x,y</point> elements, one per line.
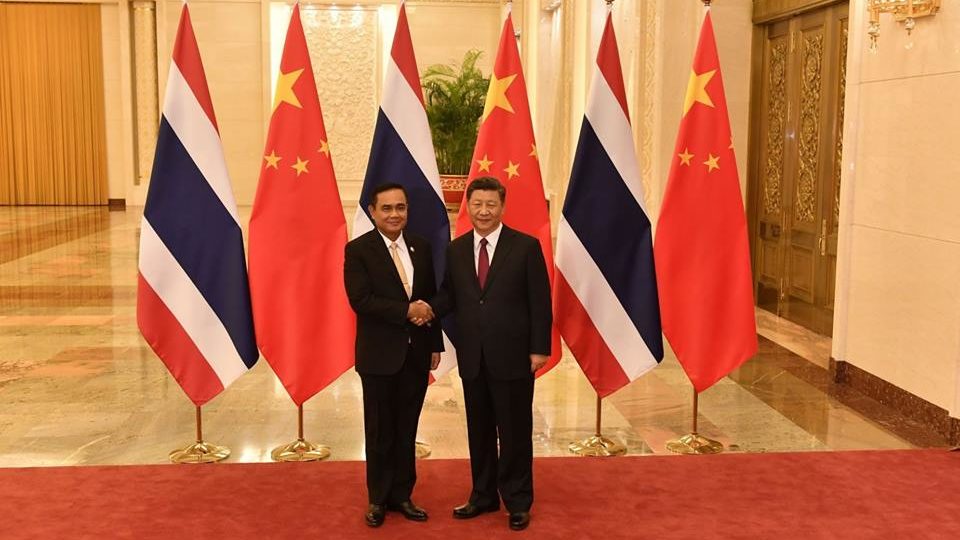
<point>420,313</point>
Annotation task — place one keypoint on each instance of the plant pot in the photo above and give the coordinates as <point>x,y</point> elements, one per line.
<point>453,186</point>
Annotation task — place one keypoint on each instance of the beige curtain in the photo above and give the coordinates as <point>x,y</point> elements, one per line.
<point>52,133</point>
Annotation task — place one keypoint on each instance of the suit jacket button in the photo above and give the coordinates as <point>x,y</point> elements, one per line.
<point>481,302</point>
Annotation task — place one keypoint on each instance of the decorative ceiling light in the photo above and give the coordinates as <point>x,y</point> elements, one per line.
<point>905,11</point>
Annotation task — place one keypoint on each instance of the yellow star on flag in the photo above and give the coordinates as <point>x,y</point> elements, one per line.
<point>324,148</point>
<point>484,164</point>
<point>711,163</point>
<point>285,93</point>
<point>533,150</point>
<point>300,166</point>
<point>497,95</point>
<point>697,90</point>
<point>272,159</point>
<point>511,169</point>
<point>685,157</point>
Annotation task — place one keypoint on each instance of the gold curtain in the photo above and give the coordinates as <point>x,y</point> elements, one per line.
<point>52,133</point>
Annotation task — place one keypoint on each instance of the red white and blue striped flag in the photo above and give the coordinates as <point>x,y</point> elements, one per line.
<point>606,290</point>
<point>193,301</point>
<point>403,152</point>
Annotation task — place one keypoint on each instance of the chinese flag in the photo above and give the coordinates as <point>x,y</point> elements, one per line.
<point>701,252</point>
<point>507,151</point>
<point>305,327</point>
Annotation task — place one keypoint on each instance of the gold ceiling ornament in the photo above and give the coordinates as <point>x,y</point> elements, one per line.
<point>904,11</point>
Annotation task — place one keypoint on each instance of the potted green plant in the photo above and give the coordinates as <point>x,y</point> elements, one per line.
<point>454,95</point>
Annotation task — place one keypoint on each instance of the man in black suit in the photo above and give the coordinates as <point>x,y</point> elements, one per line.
<point>386,271</point>
<point>497,286</point>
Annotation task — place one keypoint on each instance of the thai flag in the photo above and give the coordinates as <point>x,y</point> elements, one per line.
<point>403,153</point>
<point>193,301</point>
<point>606,292</point>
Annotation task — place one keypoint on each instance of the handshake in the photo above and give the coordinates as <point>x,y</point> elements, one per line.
<point>420,313</point>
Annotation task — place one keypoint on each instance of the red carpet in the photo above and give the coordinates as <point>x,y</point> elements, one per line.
<point>889,494</point>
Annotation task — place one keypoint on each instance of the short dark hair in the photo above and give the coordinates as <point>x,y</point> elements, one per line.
<point>389,186</point>
<point>487,183</point>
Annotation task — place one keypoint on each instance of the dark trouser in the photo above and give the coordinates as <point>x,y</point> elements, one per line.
<point>391,411</point>
<point>504,407</point>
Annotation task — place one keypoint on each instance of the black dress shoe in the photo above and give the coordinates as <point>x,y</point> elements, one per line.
<point>375,515</point>
<point>471,510</point>
<point>410,511</point>
<point>519,520</point>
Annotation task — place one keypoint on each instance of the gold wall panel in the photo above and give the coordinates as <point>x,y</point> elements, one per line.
<point>809,130</point>
<point>838,157</point>
<point>801,271</point>
<point>776,123</point>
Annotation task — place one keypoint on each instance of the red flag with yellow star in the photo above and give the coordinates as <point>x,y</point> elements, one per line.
<point>702,253</point>
<point>506,150</point>
<point>304,324</point>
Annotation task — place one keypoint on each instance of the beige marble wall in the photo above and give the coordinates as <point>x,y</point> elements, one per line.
<point>898,308</point>
<point>442,32</point>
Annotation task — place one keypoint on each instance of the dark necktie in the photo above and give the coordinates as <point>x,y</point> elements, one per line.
<point>483,263</point>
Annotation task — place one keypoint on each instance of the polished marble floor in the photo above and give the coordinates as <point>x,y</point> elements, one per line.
<point>79,386</point>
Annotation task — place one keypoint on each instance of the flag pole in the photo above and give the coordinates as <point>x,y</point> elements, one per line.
<point>693,442</point>
<point>200,451</point>
<point>300,449</point>
<point>597,445</point>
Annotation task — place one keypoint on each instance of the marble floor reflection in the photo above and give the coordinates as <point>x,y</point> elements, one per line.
<point>79,386</point>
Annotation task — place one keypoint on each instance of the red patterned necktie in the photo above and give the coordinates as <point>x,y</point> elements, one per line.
<point>483,263</point>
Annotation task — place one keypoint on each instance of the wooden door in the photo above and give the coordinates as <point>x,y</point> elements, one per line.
<point>794,180</point>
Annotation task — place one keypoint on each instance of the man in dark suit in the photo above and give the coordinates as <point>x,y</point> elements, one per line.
<point>497,286</point>
<point>386,271</point>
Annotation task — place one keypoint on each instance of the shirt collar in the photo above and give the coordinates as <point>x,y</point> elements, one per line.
<point>400,243</point>
<point>492,238</point>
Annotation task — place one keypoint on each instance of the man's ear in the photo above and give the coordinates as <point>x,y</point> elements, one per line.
<point>370,209</point>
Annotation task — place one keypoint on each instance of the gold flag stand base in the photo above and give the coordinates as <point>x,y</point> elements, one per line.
<point>597,445</point>
<point>693,442</point>
<point>300,449</point>
<point>200,451</point>
<point>423,450</point>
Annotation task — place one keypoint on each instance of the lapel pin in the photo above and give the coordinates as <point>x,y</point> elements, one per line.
<point>412,250</point>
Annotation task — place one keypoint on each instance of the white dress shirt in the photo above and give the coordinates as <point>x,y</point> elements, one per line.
<point>492,239</point>
<point>404,254</point>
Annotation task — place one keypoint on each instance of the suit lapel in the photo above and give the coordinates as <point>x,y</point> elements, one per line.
<point>468,260</point>
<point>504,244</point>
<point>417,262</point>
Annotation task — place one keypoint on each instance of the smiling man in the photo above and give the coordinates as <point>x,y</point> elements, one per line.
<point>496,283</point>
<point>386,272</point>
